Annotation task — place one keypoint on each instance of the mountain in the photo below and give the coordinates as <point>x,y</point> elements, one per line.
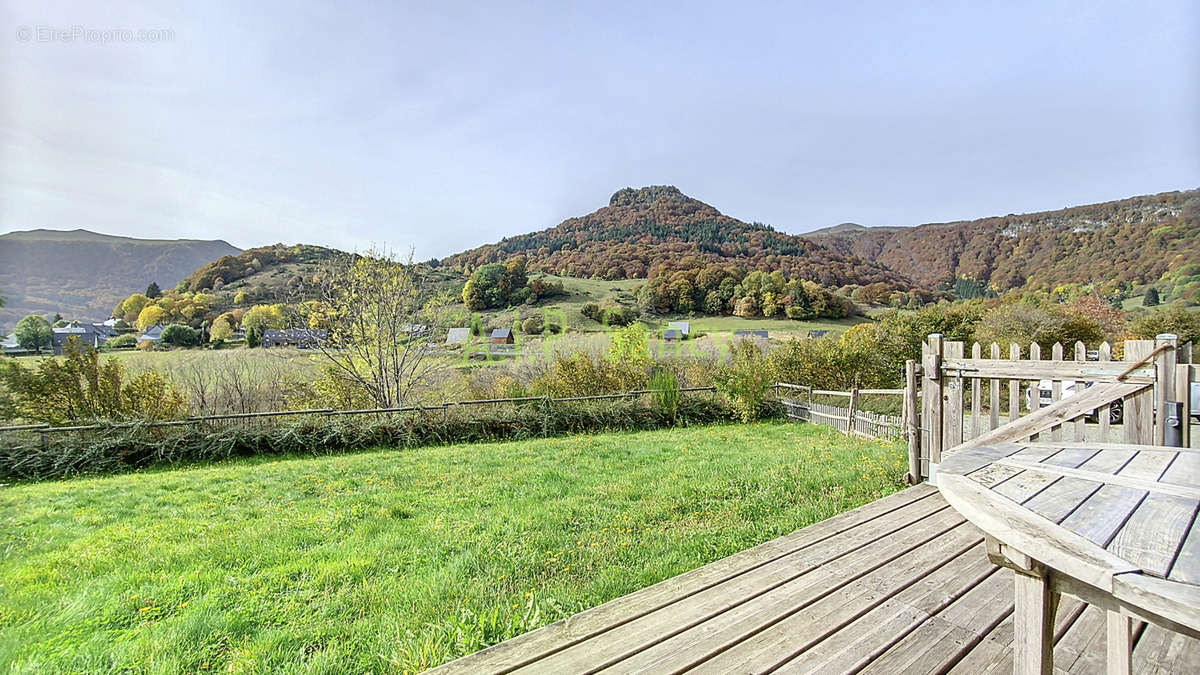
<point>1138,240</point>
<point>276,273</point>
<point>84,274</point>
<point>652,231</point>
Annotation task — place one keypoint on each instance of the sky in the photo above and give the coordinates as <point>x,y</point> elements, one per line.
<point>440,126</point>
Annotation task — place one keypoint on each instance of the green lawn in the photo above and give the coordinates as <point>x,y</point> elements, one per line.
<point>394,560</point>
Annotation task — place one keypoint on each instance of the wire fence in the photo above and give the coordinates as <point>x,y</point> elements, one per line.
<point>16,435</point>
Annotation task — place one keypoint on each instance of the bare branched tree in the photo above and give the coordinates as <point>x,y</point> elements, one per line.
<point>383,318</point>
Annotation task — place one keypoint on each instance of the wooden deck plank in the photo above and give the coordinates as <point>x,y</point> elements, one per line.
<point>1160,652</point>
<point>1082,648</point>
<point>530,646</point>
<point>676,633</point>
<point>855,645</point>
<point>899,585</point>
<point>942,640</point>
<point>806,625</point>
<point>1151,537</point>
<point>994,654</point>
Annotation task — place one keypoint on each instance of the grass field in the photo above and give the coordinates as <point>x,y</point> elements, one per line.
<point>394,560</point>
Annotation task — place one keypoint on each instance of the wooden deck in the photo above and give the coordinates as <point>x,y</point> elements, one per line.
<point>900,585</point>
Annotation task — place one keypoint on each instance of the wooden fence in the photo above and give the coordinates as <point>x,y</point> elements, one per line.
<point>1074,395</point>
<point>799,404</point>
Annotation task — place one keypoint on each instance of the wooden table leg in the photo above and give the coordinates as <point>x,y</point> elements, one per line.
<point>1033,622</point>
<point>1120,644</point>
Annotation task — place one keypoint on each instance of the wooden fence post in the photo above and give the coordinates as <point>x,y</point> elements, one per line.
<point>1183,392</point>
<point>912,422</point>
<point>931,397</point>
<point>851,412</point>
<point>1139,408</point>
<point>1164,373</point>
<point>952,396</point>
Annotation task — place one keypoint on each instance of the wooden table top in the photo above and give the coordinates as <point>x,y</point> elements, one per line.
<point>1119,518</point>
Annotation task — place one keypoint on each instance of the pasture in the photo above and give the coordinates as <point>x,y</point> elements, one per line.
<point>394,560</point>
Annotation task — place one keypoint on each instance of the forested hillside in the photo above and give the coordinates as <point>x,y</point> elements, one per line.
<point>654,231</point>
<point>82,274</point>
<point>1140,240</point>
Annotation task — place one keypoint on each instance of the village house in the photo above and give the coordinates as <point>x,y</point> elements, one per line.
<point>502,336</point>
<point>684,328</point>
<point>91,335</point>
<point>458,336</point>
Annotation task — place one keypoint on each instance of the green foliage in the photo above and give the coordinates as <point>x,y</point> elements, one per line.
<point>1174,319</point>
<point>744,381</point>
<point>499,285</point>
<point>666,391</point>
<point>181,336</point>
<point>533,325</point>
<point>153,291</point>
<point>1150,299</point>
<point>79,388</point>
<point>33,333</point>
<point>1024,324</point>
<point>121,341</point>
<point>477,326</point>
<point>262,317</point>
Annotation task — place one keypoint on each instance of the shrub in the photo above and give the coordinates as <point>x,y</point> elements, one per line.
<point>1024,324</point>
<point>80,388</point>
<point>1175,319</point>
<point>532,326</point>
<point>666,392</point>
<point>181,336</point>
<point>744,382</point>
<point>122,341</point>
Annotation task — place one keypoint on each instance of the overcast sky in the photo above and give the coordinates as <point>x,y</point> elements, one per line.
<point>440,126</point>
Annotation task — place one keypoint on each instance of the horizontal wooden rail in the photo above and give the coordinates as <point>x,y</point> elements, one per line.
<point>1092,371</point>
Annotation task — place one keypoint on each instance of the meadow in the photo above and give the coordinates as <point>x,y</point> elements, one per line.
<point>394,560</point>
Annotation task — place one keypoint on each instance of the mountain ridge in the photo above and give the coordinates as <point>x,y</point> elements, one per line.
<point>646,232</point>
<point>1136,240</point>
<point>83,274</point>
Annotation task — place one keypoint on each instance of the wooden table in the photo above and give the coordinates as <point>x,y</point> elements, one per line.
<point>1114,525</point>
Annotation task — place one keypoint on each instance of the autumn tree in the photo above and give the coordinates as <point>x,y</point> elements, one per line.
<point>372,301</point>
<point>150,316</point>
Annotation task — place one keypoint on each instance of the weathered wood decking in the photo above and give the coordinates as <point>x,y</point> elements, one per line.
<point>902,584</point>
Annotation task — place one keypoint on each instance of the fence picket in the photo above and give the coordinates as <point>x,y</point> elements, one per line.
<point>1080,355</point>
<point>1014,386</point>
<point>1056,390</point>
<point>1104,414</point>
<point>994,384</point>
<point>976,393</point>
